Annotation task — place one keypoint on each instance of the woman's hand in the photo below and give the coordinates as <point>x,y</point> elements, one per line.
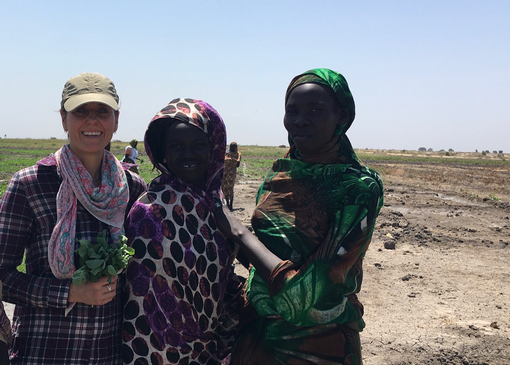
<point>98,293</point>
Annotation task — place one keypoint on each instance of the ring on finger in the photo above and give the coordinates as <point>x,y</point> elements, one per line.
<point>109,288</point>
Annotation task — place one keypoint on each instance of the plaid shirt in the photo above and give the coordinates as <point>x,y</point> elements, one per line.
<point>42,333</point>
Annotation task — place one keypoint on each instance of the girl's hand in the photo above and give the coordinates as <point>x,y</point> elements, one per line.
<point>94,293</point>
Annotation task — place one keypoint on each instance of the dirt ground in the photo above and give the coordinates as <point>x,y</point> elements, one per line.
<point>436,286</point>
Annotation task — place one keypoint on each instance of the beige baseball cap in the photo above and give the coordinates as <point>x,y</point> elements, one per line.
<point>86,88</point>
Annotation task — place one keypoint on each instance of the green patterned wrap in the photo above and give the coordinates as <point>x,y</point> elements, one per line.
<point>319,219</point>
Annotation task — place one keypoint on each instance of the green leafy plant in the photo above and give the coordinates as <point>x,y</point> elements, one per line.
<point>101,259</point>
<point>493,197</point>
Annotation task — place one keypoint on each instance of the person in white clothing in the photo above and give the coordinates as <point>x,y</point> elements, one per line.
<point>130,155</point>
<point>134,152</point>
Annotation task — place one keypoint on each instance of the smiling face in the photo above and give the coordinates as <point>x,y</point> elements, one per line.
<point>90,128</point>
<point>187,153</point>
<point>312,116</point>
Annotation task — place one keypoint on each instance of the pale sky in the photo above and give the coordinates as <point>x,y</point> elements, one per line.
<point>424,73</point>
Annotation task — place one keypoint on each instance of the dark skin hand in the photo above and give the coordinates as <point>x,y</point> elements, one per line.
<point>260,257</point>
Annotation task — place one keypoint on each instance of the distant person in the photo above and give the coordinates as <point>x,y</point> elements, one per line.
<point>131,155</point>
<point>128,161</point>
<point>127,155</point>
<point>232,161</point>
<point>71,195</point>
<point>314,220</point>
<point>134,151</point>
<point>183,295</point>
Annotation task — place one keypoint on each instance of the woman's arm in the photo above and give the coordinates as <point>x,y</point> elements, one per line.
<point>17,227</point>
<point>317,291</point>
<point>258,255</point>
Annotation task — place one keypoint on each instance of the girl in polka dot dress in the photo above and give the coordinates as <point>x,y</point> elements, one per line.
<point>182,293</point>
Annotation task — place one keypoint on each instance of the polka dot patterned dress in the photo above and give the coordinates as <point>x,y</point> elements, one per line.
<point>182,293</point>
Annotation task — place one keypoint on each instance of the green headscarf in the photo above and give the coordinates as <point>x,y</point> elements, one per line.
<point>335,81</point>
<point>340,89</point>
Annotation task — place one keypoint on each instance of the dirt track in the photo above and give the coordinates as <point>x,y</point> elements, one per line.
<point>442,295</point>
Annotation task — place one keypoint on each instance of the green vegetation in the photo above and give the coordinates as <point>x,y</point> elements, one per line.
<point>493,197</point>
<point>21,267</point>
<point>257,160</point>
<point>19,153</point>
<point>431,159</point>
<point>16,154</point>
<point>101,259</point>
<point>3,186</point>
<point>146,170</point>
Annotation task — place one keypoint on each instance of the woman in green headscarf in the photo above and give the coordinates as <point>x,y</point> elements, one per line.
<point>315,216</point>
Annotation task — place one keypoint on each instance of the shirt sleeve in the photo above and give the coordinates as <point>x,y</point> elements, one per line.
<point>16,234</point>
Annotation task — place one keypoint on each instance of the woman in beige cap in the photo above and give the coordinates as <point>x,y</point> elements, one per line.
<point>71,195</point>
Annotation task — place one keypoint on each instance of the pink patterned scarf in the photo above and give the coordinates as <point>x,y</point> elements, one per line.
<point>106,202</point>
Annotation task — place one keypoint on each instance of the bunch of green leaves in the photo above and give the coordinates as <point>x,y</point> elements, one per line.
<point>101,259</point>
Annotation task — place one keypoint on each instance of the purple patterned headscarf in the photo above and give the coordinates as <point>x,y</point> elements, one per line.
<point>205,117</point>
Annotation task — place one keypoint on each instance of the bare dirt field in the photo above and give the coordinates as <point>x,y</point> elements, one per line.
<point>436,287</point>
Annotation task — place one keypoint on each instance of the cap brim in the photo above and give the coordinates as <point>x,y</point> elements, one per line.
<point>75,101</point>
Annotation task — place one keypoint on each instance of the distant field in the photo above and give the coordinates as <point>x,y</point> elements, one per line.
<point>258,159</point>
<point>16,154</point>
